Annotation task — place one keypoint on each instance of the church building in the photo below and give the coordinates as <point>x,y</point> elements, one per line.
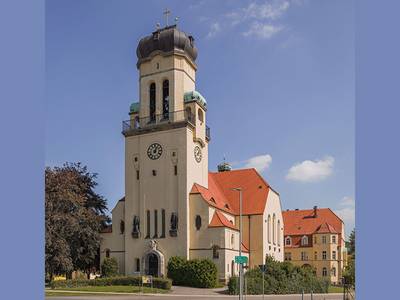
<point>173,205</point>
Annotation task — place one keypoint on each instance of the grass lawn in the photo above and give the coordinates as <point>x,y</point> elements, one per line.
<point>106,289</point>
<point>335,289</point>
<point>63,294</point>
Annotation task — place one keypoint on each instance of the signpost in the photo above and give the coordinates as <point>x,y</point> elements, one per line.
<point>147,279</point>
<point>240,244</point>
<point>241,259</point>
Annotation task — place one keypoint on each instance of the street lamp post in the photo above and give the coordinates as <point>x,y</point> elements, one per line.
<point>240,243</point>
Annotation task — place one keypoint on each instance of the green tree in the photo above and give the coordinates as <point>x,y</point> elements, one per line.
<point>74,215</point>
<point>109,267</point>
<point>352,243</point>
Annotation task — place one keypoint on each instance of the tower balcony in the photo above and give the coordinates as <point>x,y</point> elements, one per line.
<point>159,122</point>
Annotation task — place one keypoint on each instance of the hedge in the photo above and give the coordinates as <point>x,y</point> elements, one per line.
<point>195,273</point>
<point>160,283</point>
<point>280,278</point>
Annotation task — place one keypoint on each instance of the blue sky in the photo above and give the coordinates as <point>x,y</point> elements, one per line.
<point>278,77</point>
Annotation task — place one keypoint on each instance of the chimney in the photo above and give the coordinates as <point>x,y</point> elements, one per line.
<point>315,211</point>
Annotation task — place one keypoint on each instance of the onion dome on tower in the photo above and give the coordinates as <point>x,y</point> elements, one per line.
<point>166,40</point>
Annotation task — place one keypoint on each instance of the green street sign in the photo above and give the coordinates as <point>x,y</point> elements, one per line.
<point>241,259</point>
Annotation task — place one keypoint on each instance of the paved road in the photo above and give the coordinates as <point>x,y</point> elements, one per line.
<point>194,297</point>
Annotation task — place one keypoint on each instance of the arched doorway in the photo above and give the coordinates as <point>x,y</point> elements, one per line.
<point>153,264</point>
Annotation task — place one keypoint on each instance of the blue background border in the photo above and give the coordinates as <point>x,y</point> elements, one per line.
<point>22,118</point>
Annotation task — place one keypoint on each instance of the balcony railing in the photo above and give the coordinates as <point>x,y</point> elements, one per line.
<point>161,119</point>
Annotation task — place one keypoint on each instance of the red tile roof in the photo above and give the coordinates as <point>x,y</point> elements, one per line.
<point>245,248</point>
<point>219,193</point>
<point>303,222</point>
<point>219,220</point>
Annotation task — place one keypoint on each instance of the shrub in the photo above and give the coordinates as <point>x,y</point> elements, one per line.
<point>280,278</point>
<point>159,283</point>
<point>195,273</point>
<point>109,267</point>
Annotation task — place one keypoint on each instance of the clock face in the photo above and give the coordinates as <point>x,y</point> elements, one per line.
<point>197,154</point>
<point>154,151</point>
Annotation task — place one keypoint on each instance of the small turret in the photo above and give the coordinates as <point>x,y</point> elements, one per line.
<point>224,167</point>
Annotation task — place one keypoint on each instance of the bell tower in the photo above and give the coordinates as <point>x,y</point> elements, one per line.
<point>166,151</point>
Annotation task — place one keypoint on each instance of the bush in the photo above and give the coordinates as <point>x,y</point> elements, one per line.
<point>109,267</point>
<point>195,273</point>
<point>159,283</point>
<point>280,278</point>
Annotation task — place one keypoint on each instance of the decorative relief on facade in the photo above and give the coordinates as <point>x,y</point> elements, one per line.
<point>136,227</point>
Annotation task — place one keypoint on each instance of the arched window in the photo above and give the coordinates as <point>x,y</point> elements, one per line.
<point>269,229</point>
<point>122,227</point>
<point>152,93</point>
<point>274,229</point>
<point>288,241</point>
<point>188,114</point>
<point>198,222</point>
<point>324,272</point>
<point>279,232</point>
<point>200,115</point>
<point>165,102</point>
<point>304,241</point>
<point>108,253</point>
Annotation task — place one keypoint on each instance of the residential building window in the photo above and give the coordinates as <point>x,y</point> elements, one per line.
<point>163,223</point>
<point>324,255</point>
<point>269,229</point>
<point>304,241</point>
<point>315,255</point>
<point>324,272</point>
<point>304,255</point>
<point>334,239</point>
<point>288,241</point>
<point>155,224</point>
<point>279,232</point>
<point>334,255</point>
<point>334,271</point>
<point>152,94</point>
<point>165,99</point>
<point>274,229</point>
<point>147,224</point>
<point>324,239</point>
<point>288,256</point>
<point>137,265</point>
<point>215,249</point>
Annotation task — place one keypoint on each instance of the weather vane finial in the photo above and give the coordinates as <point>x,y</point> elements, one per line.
<point>166,13</point>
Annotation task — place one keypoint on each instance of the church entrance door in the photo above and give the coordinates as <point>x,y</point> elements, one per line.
<point>153,264</point>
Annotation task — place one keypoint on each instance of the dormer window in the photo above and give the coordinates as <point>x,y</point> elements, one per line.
<point>288,241</point>
<point>304,241</point>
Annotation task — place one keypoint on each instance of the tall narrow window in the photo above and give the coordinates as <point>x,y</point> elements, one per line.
<point>279,232</point>
<point>137,175</point>
<point>155,224</point>
<point>147,224</point>
<point>163,223</point>
<point>274,229</point>
<point>152,102</point>
<point>334,255</point>
<point>269,229</point>
<point>137,265</point>
<point>324,272</point>
<point>176,170</point>
<point>165,101</point>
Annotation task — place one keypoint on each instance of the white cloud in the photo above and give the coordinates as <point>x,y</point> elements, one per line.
<point>214,29</point>
<point>347,201</point>
<point>268,10</point>
<point>311,171</point>
<point>260,162</point>
<point>263,31</point>
<point>347,213</point>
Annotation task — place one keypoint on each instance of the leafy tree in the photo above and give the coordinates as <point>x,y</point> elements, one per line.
<point>74,215</point>
<point>352,243</point>
<point>109,267</point>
